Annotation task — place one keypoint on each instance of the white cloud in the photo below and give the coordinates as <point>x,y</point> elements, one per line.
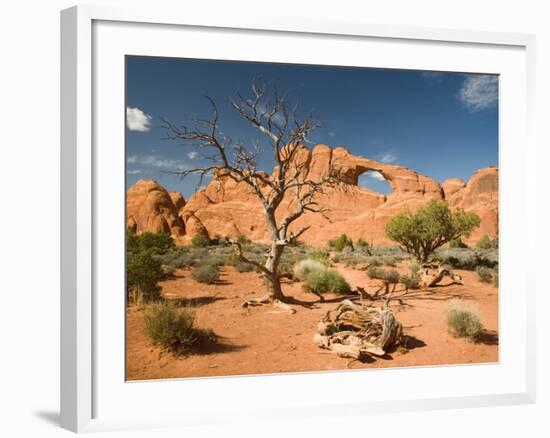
<point>155,161</point>
<point>376,175</point>
<point>137,120</point>
<point>135,172</point>
<point>479,92</point>
<point>388,158</point>
<point>192,155</point>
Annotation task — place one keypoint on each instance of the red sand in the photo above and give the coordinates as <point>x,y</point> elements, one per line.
<point>265,339</point>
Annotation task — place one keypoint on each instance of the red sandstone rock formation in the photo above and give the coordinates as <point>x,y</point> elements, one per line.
<point>225,208</point>
<point>149,207</point>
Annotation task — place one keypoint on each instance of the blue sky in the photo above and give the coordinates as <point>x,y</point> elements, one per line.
<point>443,125</point>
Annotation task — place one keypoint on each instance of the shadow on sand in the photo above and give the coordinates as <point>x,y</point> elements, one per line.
<point>196,301</point>
<point>487,337</point>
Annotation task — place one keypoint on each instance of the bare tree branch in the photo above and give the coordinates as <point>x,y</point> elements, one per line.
<point>266,110</point>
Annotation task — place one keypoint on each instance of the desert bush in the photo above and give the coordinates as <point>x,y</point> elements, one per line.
<point>457,243</point>
<point>375,262</point>
<point>467,258</point>
<point>432,226</point>
<point>172,329</point>
<point>206,273</point>
<point>495,277</point>
<point>184,260</point>
<point>200,241</point>
<point>376,273</point>
<point>414,267</point>
<point>215,259</point>
<point>157,242</point>
<point>487,243</point>
<point>362,243</point>
<point>485,274</point>
<point>342,242</point>
<point>143,273</point>
<point>304,267</point>
<point>319,254</point>
<point>463,319</point>
<point>389,261</point>
<point>410,281</point>
<point>324,280</point>
<point>391,276</point>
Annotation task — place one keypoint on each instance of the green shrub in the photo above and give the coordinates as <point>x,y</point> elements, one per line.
<point>485,274</point>
<point>376,273</point>
<point>463,319</point>
<point>172,329</point>
<point>362,243</point>
<point>206,273</point>
<point>304,267</point>
<point>200,241</point>
<point>487,243</point>
<point>324,280</point>
<point>457,243</point>
<point>143,273</point>
<point>157,242</point>
<point>342,242</point>
<point>410,281</point>
<point>432,226</point>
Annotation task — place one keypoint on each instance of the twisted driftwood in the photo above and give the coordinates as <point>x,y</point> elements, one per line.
<point>432,274</point>
<point>357,331</point>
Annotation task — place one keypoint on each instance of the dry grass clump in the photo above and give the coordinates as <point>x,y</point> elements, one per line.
<point>485,274</point>
<point>306,266</point>
<point>324,280</point>
<point>463,319</point>
<point>173,329</point>
<point>207,273</point>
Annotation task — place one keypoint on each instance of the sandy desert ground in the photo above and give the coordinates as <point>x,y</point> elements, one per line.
<point>264,340</point>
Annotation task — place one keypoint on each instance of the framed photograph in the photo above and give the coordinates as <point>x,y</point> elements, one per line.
<point>269,207</point>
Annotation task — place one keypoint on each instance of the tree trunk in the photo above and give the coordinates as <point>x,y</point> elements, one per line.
<point>273,280</point>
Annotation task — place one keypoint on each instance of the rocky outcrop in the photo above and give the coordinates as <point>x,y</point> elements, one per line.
<point>480,195</point>
<point>149,207</point>
<point>226,209</point>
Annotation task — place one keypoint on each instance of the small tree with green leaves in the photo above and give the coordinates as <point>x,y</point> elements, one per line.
<point>431,227</point>
<point>143,272</point>
<point>342,242</point>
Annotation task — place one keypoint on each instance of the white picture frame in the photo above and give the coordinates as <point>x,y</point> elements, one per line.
<point>85,174</point>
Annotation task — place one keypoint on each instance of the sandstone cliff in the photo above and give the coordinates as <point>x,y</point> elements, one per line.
<point>225,208</point>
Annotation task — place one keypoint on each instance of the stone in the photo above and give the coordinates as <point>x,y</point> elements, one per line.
<point>149,207</point>
<point>228,209</point>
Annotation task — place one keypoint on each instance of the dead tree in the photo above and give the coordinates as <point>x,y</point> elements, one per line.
<point>357,331</point>
<point>287,134</point>
<point>432,274</point>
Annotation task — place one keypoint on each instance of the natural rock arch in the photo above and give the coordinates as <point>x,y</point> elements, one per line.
<point>374,180</point>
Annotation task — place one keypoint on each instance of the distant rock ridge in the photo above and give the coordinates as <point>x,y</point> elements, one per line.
<point>227,209</point>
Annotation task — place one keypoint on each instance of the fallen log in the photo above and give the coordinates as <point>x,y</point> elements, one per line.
<point>357,331</point>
